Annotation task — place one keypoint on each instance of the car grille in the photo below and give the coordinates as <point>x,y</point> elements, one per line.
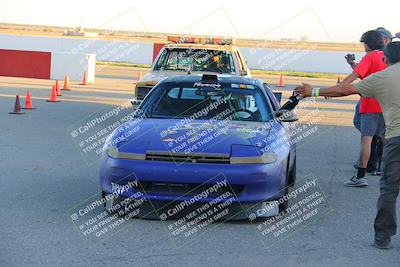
<point>142,91</point>
<point>186,189</point>
<point>188,158</point>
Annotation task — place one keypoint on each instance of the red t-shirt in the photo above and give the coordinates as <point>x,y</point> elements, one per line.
<point>369,64</point>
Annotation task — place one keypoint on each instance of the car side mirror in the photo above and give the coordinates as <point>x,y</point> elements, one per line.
<point>243,72</point>
<point>285,115</point>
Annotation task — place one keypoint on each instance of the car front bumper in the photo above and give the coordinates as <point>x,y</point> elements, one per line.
<point>155,209</point>
<point>251,183</point>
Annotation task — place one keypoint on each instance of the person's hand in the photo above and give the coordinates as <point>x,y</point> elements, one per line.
<point>303,90</point>
<point>349,60</point>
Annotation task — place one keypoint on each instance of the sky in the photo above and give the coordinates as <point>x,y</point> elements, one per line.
<point>317,20</point>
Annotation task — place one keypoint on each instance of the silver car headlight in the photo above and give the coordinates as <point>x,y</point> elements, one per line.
<point>106,144</point>
<point>113,152</point>
<point>265,158</point>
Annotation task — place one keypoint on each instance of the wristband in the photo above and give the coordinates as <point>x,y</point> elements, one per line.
<point>316,91</point>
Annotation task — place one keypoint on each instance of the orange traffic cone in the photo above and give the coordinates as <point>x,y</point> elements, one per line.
<point>139,76</point>
<point>66,83</point>
<point>57,86</point>
<point>84,79</point>
<point>17,107</point>
<point>28,102</point>
<point>281,83</point>
<point>53,96</point>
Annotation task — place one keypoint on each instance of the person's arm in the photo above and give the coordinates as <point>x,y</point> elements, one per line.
<point>362,68</point>
<point>353,65</point>
<point>369,87</point>
<point>350,78</point>
<point>306,90</point>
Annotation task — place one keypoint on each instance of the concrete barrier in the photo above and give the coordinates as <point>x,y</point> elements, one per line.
<point>117,51</point>
<point>297,60</point>
<point>156,50</point>
<point>47,65</point>
<point>281,59</point>
<point>73,65</point>
<point>29,64</point>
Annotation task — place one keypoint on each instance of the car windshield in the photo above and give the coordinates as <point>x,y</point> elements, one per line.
<point>196,60</point>
<point>233,103</point>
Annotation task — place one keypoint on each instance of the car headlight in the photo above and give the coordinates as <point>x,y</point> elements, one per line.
<point>265,158</point>
<point>113,152</point>
<point>107,144</point>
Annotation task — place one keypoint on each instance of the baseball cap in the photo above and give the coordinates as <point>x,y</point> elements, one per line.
<point>385,33</point>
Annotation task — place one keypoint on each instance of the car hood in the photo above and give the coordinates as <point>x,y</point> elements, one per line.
<point>178,135</point>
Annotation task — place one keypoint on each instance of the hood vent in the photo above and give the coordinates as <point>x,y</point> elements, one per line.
<point>189,158</point>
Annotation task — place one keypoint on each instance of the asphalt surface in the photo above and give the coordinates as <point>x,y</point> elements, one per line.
<point>44,175</point>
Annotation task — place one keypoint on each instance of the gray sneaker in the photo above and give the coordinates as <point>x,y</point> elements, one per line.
<point>356,182</point>
<point>383,243</point>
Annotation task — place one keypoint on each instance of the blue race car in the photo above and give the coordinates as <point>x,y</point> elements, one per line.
<point>196,140</point>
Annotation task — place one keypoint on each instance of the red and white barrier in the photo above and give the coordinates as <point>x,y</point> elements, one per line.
<point>156,49</point>
<point>47,65</point>
<point>29,64</point>
<point>73,65</point>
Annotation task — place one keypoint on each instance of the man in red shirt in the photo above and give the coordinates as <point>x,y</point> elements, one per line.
<point>377,143</point>
<point>372,122</point>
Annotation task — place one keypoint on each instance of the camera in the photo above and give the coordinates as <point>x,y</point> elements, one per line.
<point>350,57</point>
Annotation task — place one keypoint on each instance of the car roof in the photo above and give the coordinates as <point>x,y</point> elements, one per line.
<point>201,46</point>
<point>221,79</point>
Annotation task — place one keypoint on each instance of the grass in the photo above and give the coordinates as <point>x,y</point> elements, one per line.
<point>319,75</point>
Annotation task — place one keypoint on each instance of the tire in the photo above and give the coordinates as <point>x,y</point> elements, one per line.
<point>292,173</point>
<point>114,211</point>
<point>285,204</point>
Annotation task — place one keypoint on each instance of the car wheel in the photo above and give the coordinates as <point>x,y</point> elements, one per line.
<point>285,204</point>
<point>292,174</point>
<point>114,208</point>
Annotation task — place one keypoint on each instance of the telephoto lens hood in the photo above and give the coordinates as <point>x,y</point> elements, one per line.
<point>292,102</point>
